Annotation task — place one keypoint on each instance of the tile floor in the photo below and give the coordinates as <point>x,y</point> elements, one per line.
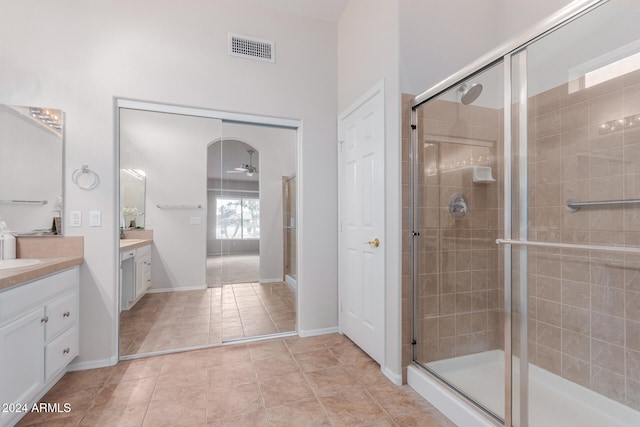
<point>173,320</point>
<point>232,269</point>
<point>317,381</point>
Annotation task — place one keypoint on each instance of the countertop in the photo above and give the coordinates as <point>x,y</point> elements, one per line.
<point>17,276</point>
<point>128,244</point>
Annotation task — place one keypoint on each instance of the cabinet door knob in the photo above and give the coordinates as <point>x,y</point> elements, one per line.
<point>45,319</point>
<point>66,314</point>
<point>66,350</point>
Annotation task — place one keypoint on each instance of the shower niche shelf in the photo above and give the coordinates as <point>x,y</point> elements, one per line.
<point>482,174</point>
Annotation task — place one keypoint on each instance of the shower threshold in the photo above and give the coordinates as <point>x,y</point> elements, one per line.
<point>553,400</point>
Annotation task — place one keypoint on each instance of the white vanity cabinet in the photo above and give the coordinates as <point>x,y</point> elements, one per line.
<point>135,275</point>
<point>38,339</point>
<point>143,270</point>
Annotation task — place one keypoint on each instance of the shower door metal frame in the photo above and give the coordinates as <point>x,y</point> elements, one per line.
<point>505,53</point>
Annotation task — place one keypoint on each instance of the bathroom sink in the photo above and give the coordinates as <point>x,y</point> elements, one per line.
<point>129,241</point>
<point>6,264</point>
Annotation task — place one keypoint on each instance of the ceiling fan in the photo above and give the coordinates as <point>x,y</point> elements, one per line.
<point>249,169</point>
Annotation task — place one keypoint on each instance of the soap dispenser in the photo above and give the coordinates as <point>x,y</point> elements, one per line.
<point>7,243</point>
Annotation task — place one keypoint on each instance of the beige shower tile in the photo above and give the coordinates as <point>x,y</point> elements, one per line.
<point>549,359</point>
<point>607,356</point>
<point>576,294</point>
<point>549,335</point>
<point>608,300</point>
<point>606,187</point>
<point>608,383</point>
<point>609,106</point>
<point>576,370</point>
<point>463,324</point>
<point>548,288</point>
<point>547,124</point>
<point>576,345</point>
<point>608,328</point>
<point>575,141</point>
<point>575,269</point>
<point>575,319</point>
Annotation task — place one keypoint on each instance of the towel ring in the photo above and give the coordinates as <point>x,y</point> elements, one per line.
<point>84,169</point>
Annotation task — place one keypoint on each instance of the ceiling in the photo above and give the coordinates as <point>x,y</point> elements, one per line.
<point>324,10</point>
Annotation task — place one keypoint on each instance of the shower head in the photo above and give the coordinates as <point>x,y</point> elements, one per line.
<point>470,93</point>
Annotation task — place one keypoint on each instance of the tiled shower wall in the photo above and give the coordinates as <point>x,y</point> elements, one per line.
<point>459,281</point>
<point>585,305</point>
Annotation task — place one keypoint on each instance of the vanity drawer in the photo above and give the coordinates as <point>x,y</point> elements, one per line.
<point>60,352</point>
<point>61,313</point>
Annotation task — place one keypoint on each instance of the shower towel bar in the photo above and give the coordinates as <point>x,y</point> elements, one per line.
<point>179,206</point>
<point>26,202</point>
<point>621,249</point>
<point>574,205</point>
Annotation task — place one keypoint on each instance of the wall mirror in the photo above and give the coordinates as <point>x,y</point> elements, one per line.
<point>31,169</point>
<point>212,199</point>
<point>132,198</point>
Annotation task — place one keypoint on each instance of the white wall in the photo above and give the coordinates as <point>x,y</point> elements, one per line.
<point>368,46</point>
<point>78,55</point>
<point>172,151</point>
<point>439,38</point>
<point>517,15</point>
<point>277,149</point>
<point>30,169</point>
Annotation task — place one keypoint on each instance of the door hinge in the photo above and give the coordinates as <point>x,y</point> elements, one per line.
<point>341,226</point>
<point>340,144</point>
<point>340,307</point>
<point>415,233</point>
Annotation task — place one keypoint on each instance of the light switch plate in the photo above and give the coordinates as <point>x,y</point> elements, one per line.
<point>75,219</point>
<point>95,219</point>
<point>195,220</point>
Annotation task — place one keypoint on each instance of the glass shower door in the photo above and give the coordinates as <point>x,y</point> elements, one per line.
<point>457,208</point>
<point>575,173</point>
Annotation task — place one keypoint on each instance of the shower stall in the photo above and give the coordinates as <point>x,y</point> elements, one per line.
<point>525,212</point>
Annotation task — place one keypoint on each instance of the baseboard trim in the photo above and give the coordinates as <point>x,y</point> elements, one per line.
<point>186,288</point>
<point>92,364</point>
<point>316,332</point>
<point>394,378</point>
<point>278,280</point>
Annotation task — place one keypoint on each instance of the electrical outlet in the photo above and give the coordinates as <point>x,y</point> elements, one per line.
<point>75,219</point>
<point>95,219</point>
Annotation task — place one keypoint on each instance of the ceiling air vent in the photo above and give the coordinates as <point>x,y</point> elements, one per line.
<point>248,47</point>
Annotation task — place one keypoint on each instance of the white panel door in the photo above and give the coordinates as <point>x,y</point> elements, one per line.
<point>361,216</point>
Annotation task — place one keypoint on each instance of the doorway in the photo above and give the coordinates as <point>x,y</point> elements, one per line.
<point>184,314</point>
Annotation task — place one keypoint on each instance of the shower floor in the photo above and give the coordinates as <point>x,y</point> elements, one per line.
<point>554,401</point>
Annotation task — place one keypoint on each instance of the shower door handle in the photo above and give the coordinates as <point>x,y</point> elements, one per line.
<point>375,242</point>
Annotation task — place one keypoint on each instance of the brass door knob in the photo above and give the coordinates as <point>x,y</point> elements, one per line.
<point>375,242</point>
